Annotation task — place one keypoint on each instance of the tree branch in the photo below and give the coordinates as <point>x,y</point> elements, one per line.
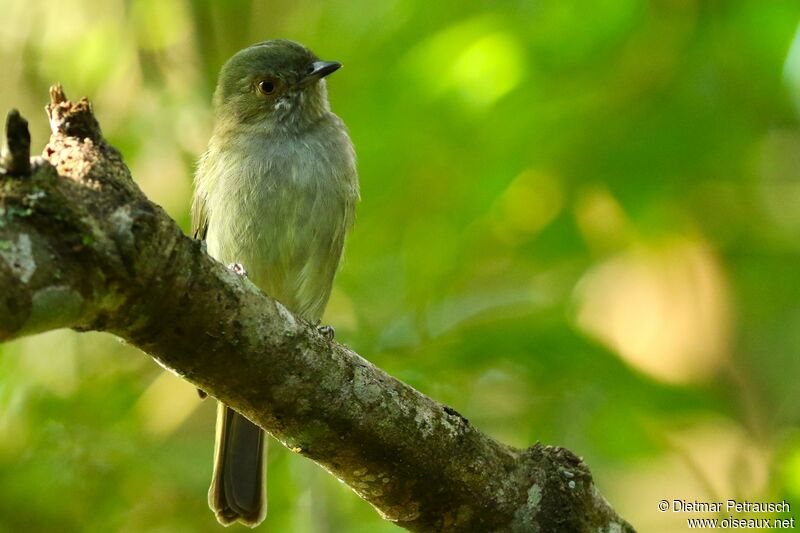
<point>82,247</point>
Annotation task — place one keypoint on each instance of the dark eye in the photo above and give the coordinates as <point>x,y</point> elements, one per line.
<point>266,87</point>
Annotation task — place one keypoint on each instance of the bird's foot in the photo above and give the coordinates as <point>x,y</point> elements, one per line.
<point>202,394</point>
<point>238,268</point>
<point>326,331</point>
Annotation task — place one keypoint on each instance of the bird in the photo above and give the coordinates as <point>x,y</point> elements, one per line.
<point>274,197</point>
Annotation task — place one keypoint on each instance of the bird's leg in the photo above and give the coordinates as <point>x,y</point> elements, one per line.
<point>326,331</point>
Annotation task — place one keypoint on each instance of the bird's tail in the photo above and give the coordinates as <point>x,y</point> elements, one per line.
<point>237,486</point>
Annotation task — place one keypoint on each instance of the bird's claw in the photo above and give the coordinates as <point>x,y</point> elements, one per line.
<point>327,331</point>
<point>238,268</point>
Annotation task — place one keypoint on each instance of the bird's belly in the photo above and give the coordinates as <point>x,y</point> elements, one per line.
<point>288,237</point>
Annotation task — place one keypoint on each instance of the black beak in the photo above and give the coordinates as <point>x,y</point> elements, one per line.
<point>319,69</point>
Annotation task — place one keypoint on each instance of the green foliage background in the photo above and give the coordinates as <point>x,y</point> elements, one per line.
<point>580,224</point>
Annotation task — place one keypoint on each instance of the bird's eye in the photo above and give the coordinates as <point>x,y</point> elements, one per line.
<point>266,87</point>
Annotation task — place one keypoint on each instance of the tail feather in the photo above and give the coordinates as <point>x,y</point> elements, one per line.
<point>237,486</point>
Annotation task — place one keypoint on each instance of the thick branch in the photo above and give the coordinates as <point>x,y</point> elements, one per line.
<point>81,247</point>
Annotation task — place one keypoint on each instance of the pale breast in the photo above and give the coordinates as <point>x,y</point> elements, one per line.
<point>282,210</point>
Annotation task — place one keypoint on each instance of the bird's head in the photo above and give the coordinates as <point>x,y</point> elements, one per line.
<point>276,82</point>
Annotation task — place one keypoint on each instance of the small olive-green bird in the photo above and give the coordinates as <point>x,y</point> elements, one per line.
<point>275,192</point>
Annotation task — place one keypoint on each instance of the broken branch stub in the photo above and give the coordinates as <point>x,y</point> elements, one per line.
<point>16,156</point>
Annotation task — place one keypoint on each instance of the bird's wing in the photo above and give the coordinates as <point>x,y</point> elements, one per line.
<point>199,208</point>
<point>199,217</point>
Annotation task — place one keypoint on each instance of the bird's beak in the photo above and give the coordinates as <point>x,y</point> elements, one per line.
<point>320,69</point>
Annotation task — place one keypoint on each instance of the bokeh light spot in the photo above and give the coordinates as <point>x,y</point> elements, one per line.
<point>662,308</point>
<point>472,60</point>
<point>530,202</point>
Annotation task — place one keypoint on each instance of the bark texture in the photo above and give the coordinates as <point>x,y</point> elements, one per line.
<point>82,247</point>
